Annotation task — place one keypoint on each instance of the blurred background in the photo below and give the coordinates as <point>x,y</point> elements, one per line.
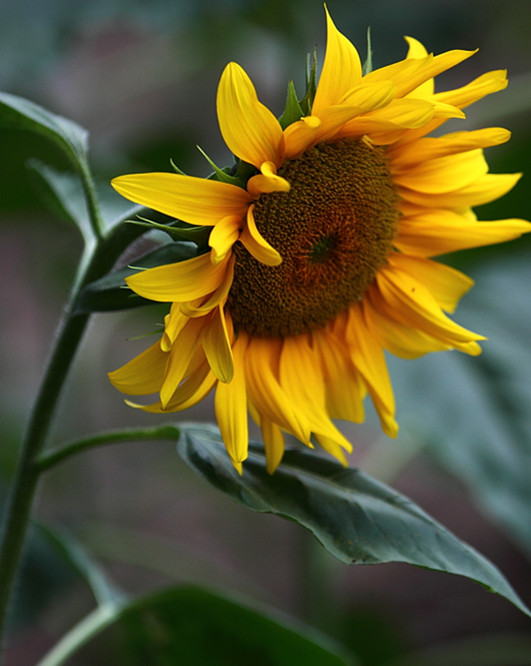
<point>142,79</point>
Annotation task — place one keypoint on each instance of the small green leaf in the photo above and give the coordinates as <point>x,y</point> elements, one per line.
<point>20,113</point>
<point>111,293</point>
<point>311,85</point>
<point>190,625</point>
<point>292,111</point>
<point>357,519</point>
<point>367,65</point>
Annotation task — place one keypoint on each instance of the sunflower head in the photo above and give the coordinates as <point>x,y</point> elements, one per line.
<point>321,246</point>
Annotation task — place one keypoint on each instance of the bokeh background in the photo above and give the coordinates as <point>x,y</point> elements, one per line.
<point>142,78</point>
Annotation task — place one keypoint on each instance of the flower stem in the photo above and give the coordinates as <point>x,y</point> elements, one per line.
<point>56,456</point>
<point>27,474</point>
<point>97,260</point>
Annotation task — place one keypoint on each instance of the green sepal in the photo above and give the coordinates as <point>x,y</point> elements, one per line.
<point>222,175</point>
<point>292,111</point>
<point>306,102</point>
<point>358,519</point>
<point>177,230</point>
<point>367,65</point>
<point>111,292</point>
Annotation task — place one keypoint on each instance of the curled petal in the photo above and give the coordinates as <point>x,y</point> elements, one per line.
<point>300,135</point>
<point>223,236</point>
<point>267,181</point>
<point>256,244</point>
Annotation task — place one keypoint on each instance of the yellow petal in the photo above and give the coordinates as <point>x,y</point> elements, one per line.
<point>487,83</point>
<point>266,391</point>
<point>180,357</point>
<point>273,444</point>
<point>223,236</point>
<point>191,391</point>
<point>399,339</point>
<point>302,379</point>
<point>202,307</point>
<point>248,127</point>
<point>484,189</point>
<point>300,135</point>
<point>231,407</point>
<point>267,181</point>
<point>182,281</point>
<point>174,322</point>
<point>333,448</point>
<point>368,357</point>
<point>443,231</point>
<point>341,69</point>
<point>418,152</point>
<point>412,304</point>
<point>256,244</point>
<point>343,385</point>
<point>217,345</point>
<point>446,284</point>
<point>143,374</point>
<point>193,200</point>
<point>417,50</point>
<point>399,114</point>
<point>444,173</point>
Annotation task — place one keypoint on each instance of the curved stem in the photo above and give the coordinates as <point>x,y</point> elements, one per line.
<point>89,626</point>
<point>23,490</point>
<point>54,457</point>
<point>96,262</point>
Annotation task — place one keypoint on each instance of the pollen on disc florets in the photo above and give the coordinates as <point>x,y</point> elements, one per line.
<point>334,230</point>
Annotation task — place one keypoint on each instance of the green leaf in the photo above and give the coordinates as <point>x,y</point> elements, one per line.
<point>111,292</point>
<point>78,558</point>
<point>190,625</point>
<point>20,113</point>
<point>63,194</point>
<point>292,111</point>
<point>481,432</point>
<point>357,519</point>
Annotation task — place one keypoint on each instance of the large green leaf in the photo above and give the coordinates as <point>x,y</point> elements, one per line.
<point>63,194</point>
<point>20,113</point>
<point>474,413</point>
<point>193,626</point>
<point>357,519</point>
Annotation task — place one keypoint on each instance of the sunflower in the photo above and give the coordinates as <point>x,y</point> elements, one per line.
<point>320,252</point>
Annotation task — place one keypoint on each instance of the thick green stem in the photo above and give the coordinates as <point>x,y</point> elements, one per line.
<point>97,262</point>
<point>23,490</point>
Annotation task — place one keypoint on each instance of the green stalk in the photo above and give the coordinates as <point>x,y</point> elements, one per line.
<point>99,256</point>
<point>27,474</point>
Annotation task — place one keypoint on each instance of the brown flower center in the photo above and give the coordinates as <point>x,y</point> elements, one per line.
<point>334,230</point>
